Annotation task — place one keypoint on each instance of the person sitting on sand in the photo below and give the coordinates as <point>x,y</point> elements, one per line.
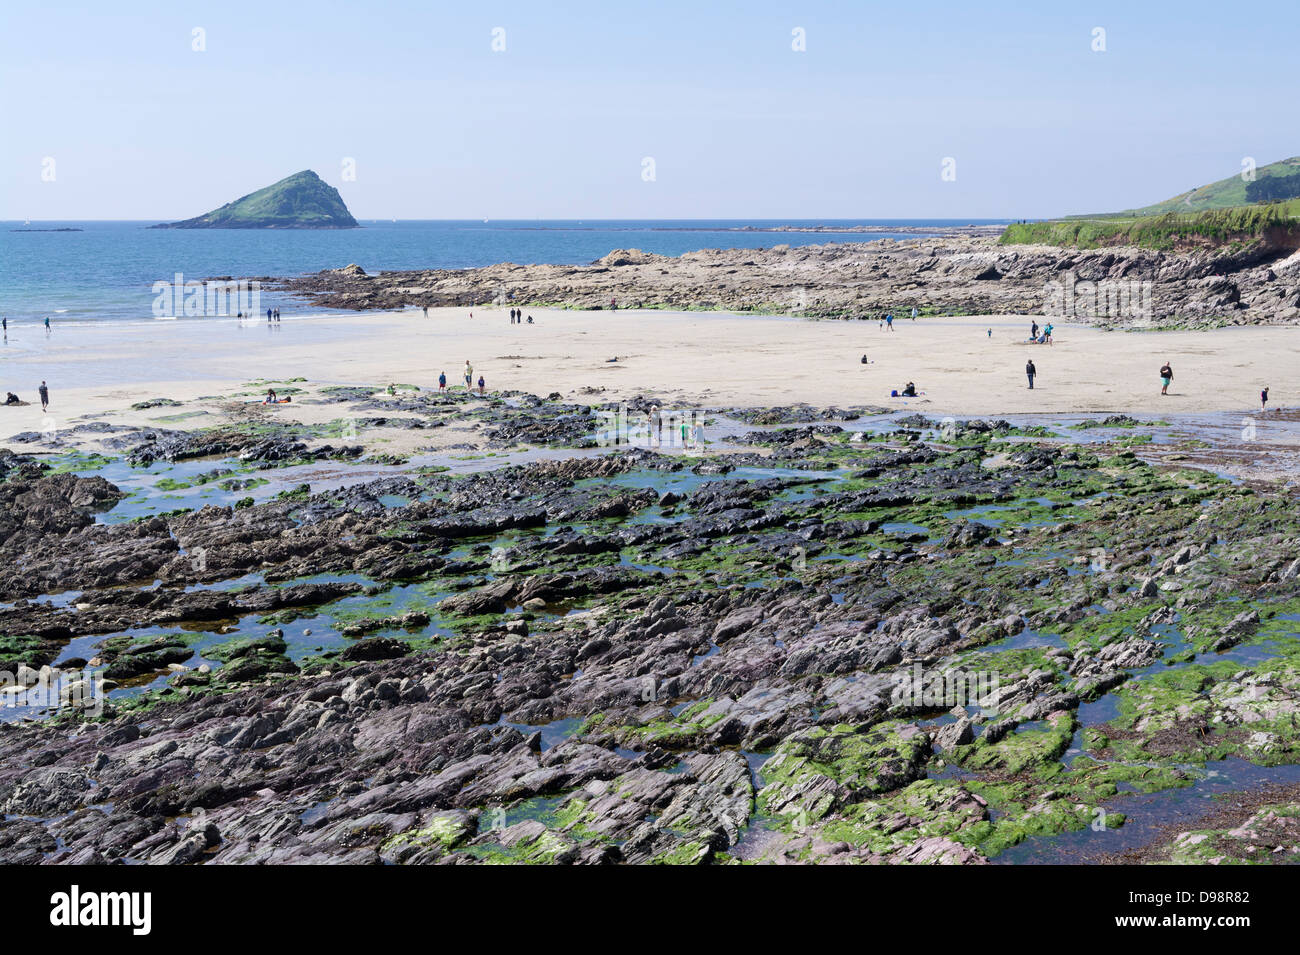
<point>864,360</point>
<point>530,319</point>
<point>1166,376</point>
<point>271,397</point>
<point>12,399</point>
<point>909,390</point>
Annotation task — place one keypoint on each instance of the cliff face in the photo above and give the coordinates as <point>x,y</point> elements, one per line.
<point>301,201</point>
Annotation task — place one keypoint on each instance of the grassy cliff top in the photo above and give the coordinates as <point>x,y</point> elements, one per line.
<point>1274,182</point>
<point>1233,210</point>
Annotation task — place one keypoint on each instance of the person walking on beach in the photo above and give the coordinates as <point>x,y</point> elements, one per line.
<point>47,324</point>
<point>44,392</point>
<point>1166,376</point>
<point>1030,371</point>
<point>1263,401</point>
<point>426,311</point>
<point>889,321</point>
<point>1033,331</point>
<point>913,313</point>
<point>1047,333</point>
<point>469,375</point>
<point>990,331</point>
<point>442,381</point>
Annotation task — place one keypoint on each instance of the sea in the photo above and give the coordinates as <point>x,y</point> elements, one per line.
<point>106,271</point>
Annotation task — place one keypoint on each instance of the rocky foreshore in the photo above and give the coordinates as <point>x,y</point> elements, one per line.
<point>954,274</point>
<point>836,639</point>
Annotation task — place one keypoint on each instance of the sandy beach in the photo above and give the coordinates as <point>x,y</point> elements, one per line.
<point>689,358</point>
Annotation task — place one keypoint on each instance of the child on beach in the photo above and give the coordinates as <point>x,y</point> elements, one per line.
<point>1166,376</point>
<point>1263,401</point>
<point>480,384</point>
<point>442,381</point>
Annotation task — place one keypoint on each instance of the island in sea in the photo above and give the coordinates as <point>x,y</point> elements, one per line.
<point>300,201</point>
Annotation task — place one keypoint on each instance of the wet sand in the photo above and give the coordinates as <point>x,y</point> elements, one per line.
<point>694,359</point>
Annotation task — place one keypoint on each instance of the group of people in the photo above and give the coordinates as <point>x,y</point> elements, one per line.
<point>272,314</point>
<point>469,380</point>
<point>4,323</point>
<point>1038,338</point>
<point>887,320</point>
<point>43,391</point>
<point>517,317</point>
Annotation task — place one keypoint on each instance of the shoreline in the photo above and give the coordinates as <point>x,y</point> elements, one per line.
<point>699,359</point>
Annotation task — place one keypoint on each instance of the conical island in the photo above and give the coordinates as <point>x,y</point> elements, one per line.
<point>300,201</point>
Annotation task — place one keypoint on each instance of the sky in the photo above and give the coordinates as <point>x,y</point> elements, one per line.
<point>567,110</point>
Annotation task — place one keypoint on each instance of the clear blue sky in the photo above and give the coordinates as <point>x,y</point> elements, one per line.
<point>739,125</point>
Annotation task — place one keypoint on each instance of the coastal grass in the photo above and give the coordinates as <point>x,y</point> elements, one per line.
<point>1241,226</point>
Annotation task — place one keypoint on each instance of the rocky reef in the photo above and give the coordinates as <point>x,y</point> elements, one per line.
<point>840,638</point>
<point>957,274</point>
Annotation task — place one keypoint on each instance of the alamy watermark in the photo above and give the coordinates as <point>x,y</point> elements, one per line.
<point>935,689</point>
<point>211,299</point>
<point>656,428</point>
<point>1070,298</point>
<point>51,688</point>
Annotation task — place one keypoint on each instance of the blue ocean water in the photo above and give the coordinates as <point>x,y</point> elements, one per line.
<point>107,270</point>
